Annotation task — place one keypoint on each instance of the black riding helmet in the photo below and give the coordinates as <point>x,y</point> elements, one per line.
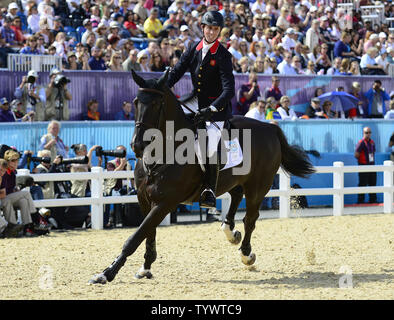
<point>213,18</point>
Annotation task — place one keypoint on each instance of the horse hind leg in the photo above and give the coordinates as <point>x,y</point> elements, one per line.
<point>150,257</point>
<point>252,214</point>
<point>233,236</point>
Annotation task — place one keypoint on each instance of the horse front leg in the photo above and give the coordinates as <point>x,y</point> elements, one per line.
<point>150,257</point>
<point>151,221</point>
<point>233,236</point>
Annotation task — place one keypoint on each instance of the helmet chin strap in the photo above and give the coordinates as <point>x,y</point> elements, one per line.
<point>205,39</point>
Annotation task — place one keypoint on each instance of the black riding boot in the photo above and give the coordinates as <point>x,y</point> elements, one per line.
<point>208,196</point>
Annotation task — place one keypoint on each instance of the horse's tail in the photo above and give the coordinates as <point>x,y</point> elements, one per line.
<point>294,159</point>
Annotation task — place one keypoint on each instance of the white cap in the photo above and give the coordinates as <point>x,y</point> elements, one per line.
<point>184,28</point>
<point>195,14</point>
<point>324,18</point>
<point>290,31</point>
<point>373,36</point>
<point>390,49</point>
<point>328,9</point>
<point>313,9</point>
<point>13,5</point>
<point>382,35</point>
<point>32,73</point>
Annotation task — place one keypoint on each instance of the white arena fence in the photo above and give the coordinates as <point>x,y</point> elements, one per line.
<point>39,63</point>
<point>97,199</point>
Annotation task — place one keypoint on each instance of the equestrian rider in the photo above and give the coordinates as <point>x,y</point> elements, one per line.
<point>211,70</point>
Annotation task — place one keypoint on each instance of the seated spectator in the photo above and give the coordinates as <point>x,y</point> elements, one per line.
<point>258,65</point>
<point>310,68</point>
<point>96,62</point>
<point>390,55</point>
<point>113,41</point>
<point>87,24</point>
<point>270,108</point>
<point>243,65</point>
<point>371,42</point>
<point>142,59</point>
<point>46,33</point>
<point>130,25</point>
<point>92,113</point>
<point>248,93</point>
<point>327,112</point>
<point>285,112</point>
<point>126,113</point>
<point>296,64</point>
<point>382,60</point>
<point>152,25</point>
<point>61,45</point>
<point>355,68</point>
<point>52,142</point>
<point>75,64</point>
<point>131,62</point>
<point>344,69</point>
<point>323,61</point>
<point>16,25</point>
<point>157,63</point>
<point>115,63</point>
<point>369,65</point>
<point>314,111</point>
<point>277,54</point>
<point>342,47</point>
<point>6,115</point>
<point>8,34</point>
<point>31,46</point>
<point>102,31</point>
<point>356,44</point>
<point>285,66</point>
<point>376,97</point>
<point>57,26</point>
<point>390,113</point>
<point>257,110</point>
<point>289,41</point>
<point>282,19</point>
<point>12,198</point>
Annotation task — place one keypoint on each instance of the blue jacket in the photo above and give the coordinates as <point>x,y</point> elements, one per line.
<point>122,116</point>
<point>369,95</point>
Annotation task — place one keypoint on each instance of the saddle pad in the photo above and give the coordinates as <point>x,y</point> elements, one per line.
<point>234,153</point>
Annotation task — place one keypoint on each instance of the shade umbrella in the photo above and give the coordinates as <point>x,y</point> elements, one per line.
<point>340,100</point>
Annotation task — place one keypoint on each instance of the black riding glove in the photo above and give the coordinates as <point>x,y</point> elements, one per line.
<point>204,115</point>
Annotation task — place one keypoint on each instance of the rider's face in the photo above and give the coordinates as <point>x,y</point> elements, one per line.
<point>211,33</point>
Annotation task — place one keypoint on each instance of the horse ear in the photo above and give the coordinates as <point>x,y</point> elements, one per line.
<point>138,80</point>
<point>163,78</point>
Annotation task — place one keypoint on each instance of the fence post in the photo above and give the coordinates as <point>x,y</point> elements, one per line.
<point>97,193</point>
<point>284,200</point>
<point>388,182</point>
<point>338,185</point>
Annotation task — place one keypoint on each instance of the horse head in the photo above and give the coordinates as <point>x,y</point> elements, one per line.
<point>149,108</point>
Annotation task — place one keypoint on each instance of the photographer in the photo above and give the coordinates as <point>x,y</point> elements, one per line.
<point>115,187</point>
<point>57,97</point>
<point>48,189</point>
<point>80,188</point>
<point>32,96</point>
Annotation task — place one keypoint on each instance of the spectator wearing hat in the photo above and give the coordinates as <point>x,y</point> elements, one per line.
<point>32,95</point>
<point>152,25</point>
<point>101,31</point>
<point>131,62</point>
<point>325,33</point>
<point>12,10</point>
<point>96,62</point>
<point>6,115</point>
<point>31,46</point>
<point>72,63</point>
<point>314,111</point>
<point>184,36</point>
<point>87,24</point>
<point>289,41</point>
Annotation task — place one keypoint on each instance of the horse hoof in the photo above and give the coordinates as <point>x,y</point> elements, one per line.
<point>143,273</point>
<point>248,260</point>
<point>98,278</point>
<point>237,237</point>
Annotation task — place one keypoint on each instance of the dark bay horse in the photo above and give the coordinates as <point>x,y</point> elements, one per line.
<point>162,187</point>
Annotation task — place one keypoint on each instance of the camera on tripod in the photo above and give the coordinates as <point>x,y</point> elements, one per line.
<point>110,153</point>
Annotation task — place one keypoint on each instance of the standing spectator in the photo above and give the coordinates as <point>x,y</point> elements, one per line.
<point>376,97</point>
<point>57,98</point>
<point>131,62</point>
<point>274,91</point>
<point>285,112</point>
<point>52,142</point>
<point>115,63</point>
<point>96,62</point>
<point>126,112</point>
<point>359,111</point>
<point>152,25</point>
<point>257,110</point>
<point>92,113</point>
<point>365,155</point>
<point>248,93</point>
<point>32,96</point>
